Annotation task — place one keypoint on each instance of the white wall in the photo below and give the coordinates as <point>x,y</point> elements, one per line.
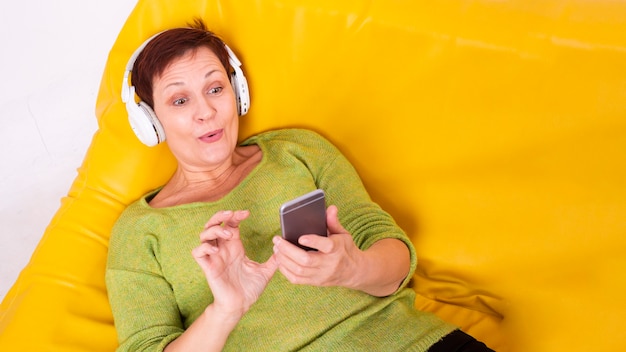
<point>52,54</point>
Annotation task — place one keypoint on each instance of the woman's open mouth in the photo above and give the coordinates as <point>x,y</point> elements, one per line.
<point>212,136</point>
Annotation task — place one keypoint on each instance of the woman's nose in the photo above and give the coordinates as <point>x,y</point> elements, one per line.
<point>205,110</point>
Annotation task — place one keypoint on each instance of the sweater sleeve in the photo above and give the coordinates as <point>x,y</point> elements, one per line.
<point>363,218</point>
<point>143,304</point>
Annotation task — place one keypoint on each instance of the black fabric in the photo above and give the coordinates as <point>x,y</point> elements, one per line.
<point>458,341</point>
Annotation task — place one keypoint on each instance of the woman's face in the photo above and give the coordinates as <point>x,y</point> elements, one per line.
<point>195,103</point>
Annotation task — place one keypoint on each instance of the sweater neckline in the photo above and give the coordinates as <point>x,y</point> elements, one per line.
<point>257,139</point>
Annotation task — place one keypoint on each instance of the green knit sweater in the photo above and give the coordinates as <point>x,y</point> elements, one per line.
<point>156,289</point>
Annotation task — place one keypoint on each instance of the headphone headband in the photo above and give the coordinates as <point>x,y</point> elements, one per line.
<point>126,84</point>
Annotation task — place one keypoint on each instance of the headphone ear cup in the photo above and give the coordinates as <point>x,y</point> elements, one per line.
<point>145,123</point>
<point>242,94</point>
<point>156,124</point>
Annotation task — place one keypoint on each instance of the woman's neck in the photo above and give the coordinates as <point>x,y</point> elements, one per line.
<point>188,186</point>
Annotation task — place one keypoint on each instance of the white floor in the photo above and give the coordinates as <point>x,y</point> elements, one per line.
<point>52,54</point>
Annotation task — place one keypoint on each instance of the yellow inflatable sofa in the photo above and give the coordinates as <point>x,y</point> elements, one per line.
<point>493,131</point>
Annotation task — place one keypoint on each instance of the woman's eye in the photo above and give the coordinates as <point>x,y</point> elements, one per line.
<point>215,90</point>
<point>180,101</point>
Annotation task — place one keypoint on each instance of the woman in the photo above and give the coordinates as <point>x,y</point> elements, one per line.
<point>348,295</point>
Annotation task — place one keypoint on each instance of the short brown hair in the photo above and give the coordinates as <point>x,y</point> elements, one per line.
<point>168,46</point>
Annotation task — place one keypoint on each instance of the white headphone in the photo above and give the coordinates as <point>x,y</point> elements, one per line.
<point>142,118</point>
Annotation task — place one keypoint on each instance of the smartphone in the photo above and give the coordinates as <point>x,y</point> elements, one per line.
<point>304,215</point>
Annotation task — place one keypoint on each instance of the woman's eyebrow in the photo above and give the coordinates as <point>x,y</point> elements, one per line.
<point>211,72</point>
<point>180,83</point>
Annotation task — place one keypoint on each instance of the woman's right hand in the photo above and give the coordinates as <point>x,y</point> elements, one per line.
<point>235,281</point>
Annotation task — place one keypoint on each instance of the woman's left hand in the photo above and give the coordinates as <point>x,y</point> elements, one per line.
<point>336,263</point>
